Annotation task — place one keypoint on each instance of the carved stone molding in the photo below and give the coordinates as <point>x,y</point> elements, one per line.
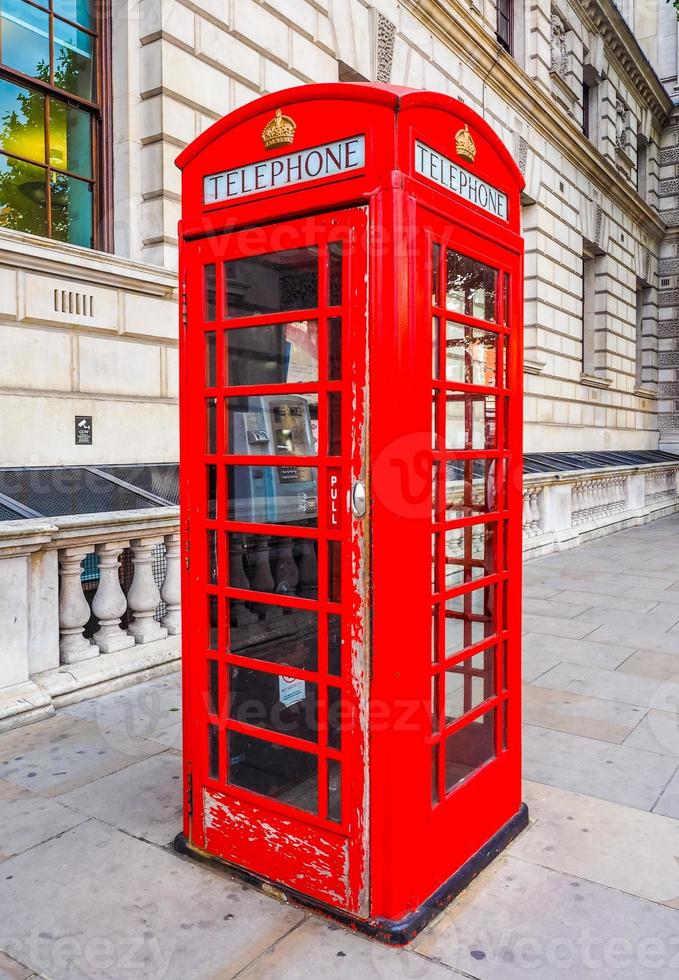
<point>558,46</point>
<point>386,34</point>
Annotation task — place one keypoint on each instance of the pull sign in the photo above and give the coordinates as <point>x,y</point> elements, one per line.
<point>334,501</point>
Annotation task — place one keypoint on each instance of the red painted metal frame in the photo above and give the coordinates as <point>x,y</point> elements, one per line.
<point>402,846</point>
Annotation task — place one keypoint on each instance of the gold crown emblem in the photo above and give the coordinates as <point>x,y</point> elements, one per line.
<point>464,144</point>
<point>279,131</point>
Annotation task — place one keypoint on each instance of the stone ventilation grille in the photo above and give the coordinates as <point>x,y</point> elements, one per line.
<point>77,304</point>
<point>523,155</point>
<point>386,33</point>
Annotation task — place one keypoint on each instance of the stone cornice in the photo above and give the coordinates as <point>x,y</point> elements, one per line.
<point>459,30</point>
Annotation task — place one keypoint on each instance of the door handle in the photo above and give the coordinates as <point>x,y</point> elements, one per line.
<point>358,502</point>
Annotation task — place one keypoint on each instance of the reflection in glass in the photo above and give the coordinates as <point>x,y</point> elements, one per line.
<point>72,219</point>
<point>210,359</point>
<point>275,634</point>
<point>334,423</point>
<point>334,349</point>
<point>470,553</point>
<point>435,267</point>
<point>471,487</point>
<point>470,618</point>
<point>435,331</point>
<point>213,751</point>
<point>25,38</point>
<point>79,11</point>
<point>471,355</point>
<point>269,563</point>
<point>470,421</point>
<point>213,572</point>
<point>469,748</point>
<point>213,621</point>
<point>273,494</point>
<point>469,683</point>
<point>278,703</point>
<point>73,60</point>
<point>212,492</point>
<point>277,771</point>
<point>211,425</point>
<point>272,283</point>
<point>279,353</point>
<point>336,717</point>
<point>272,425</point>
<point>70,139</point>
<point>334,571</point>
<point>471,287</point>
<point>22,117</point>
<point>334,791</point>
<point>335,645</point>
<point>213,687</point>
<point>23,196</point>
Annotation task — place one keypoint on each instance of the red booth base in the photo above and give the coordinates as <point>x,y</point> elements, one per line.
<point>391,931</point>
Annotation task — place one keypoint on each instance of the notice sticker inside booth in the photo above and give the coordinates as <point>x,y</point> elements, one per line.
<point>351,372</point>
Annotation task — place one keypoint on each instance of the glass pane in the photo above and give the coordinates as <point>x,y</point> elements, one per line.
<point>22,114</point>
<point>274,634</point>
<point>334,423</point>
<point>72,210</point>
<point>273,494</point>
<point>277,771</point>
<point>471,287</point>
<point>267,563</point>
<point>471,355</point>
<point>25,38</point>
<point>470,421</point>
<point>470,618</point>
<point>334,791</point>
<point>280,353</point>
<point>272,283</point>
<point>273,425</point>
<point>74,60</point>
<point>435,331</point>
<point>337,717</point>
<point>213,687</point>
<point>334,645</point>
<point>470,683</point>
<point>70,139</point>
<point>213,751</point>
<point>334,349</point>
<point>213,621</point>
<point>435,266</point>
<point>435,774</point>
<point>505,287</point>
<point>210,360</point>
<point>334,571</point>
<point>283,704</point>
<point>23,191</point>
<point>470,553</point>
<point>211,425</point>
<point>212,493</point>
<point>78,10</point>
<point>210,292</point>
<point>213,572</point>
<point>471,487</point>
<point>469,748</point>
<point>334,273</point>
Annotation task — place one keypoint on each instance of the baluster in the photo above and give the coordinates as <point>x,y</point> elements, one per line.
<point>240,615</point>
<point>286,573</point>
<point>307,568</point>
<point>109,603</point>
<point>143,596</point>
<point>74,610</point>
<point>535,512</point>
<point>526,513</point>
<point>171,591</point>
<point>261,579</point>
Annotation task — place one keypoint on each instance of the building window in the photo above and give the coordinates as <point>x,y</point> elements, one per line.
<point>642,167</point>
<point>586,93</point>
<point>52,102</point>
<point>588,310</point>
<point>504,24</point>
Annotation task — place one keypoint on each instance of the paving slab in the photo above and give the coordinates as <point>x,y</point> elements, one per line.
<point>557,626</point>
<point>657,732</point>
<point>129,718</point>
<point>98,904</point>
<point>593,600</point>
<point>659,619</point>
<point>612,685</point>
<point>650,663</point>
<point>145,799</point>
<point>518,920</point>
<point>619,773</point>
<point>534,664</point>
<point>617,846</point>
<point>580,714</point>
<point>316,949</point>
<point>636,637</point>
<point>28,819</point>
<point>540,590</point>
<point>10,969</point>
<point>61,753</point>
<point>552,607</point>
<point>668,802</point>
<point>584,652</point>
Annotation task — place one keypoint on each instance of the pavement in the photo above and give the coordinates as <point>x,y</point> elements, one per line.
<point>90,801</point>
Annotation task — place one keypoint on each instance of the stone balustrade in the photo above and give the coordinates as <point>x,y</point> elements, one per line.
<point>58,646</point>
<point>562,510</point>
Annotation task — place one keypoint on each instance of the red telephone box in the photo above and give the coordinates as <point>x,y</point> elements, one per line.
<point>351,385</point>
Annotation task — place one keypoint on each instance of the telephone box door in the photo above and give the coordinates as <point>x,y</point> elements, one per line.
<point>273,443</point>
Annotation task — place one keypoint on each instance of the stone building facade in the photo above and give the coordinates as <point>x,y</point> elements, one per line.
<point>565,84</point>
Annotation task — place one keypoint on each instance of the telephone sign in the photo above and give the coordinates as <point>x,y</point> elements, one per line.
<point>351,370</point>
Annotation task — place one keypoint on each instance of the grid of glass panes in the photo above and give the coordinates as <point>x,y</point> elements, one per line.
<point>470,344</point>
<point>274,378</point>
<point>49,102</point>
